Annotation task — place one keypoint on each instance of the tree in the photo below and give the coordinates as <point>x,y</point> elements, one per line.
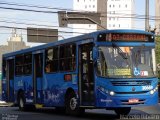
<point>158,53</point>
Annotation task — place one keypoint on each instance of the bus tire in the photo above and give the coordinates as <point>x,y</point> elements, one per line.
<point>122,111</point>
<point>21,102</point>
<point>72,107</point>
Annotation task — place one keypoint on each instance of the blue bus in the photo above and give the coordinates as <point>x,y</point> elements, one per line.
<point>109,69</point>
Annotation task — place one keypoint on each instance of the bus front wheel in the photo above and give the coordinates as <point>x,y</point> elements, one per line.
<point>72,107</point>
<point>122,111</point>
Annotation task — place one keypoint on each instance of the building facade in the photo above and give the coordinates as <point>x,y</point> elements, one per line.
<point>14,43</point>
<point>82,6</point>
<point>115,14</point>
<point>119,14</point>
<point>157,20</point>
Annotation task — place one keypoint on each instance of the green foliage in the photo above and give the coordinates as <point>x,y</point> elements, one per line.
<point>158,52</point>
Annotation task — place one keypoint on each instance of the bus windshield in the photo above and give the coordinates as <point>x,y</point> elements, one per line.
<point>126,62</point>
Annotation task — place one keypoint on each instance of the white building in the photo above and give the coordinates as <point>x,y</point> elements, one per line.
<point>84,5</point>
<point>118,14</point>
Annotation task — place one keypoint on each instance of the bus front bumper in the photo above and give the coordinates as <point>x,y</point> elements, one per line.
<point>131,100</point>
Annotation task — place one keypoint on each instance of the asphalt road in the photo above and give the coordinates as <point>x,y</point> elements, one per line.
<point>12,113</point>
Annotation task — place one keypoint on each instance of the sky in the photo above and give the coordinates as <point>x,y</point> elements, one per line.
<point>140,10</point>
<point>16,18</point>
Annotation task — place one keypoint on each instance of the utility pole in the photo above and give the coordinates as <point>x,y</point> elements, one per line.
<point>147,16</point>
<point>102,8</point>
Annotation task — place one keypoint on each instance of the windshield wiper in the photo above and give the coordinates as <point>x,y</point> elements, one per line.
<point>120,52</point>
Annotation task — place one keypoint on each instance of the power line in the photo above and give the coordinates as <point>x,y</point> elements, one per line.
<point>43,21</point>
<point>21,28</point>
<point>54,22</point>
<point>32,34</point>
<point>40,11</point>
<point>134,16</point>
<point>29,10</point>
<point>9,18</point>
<point>37,6</point>
<point>51,8</point>
<point>40,25</point>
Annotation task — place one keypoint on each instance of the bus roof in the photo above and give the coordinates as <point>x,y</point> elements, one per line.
<point>74,39</point>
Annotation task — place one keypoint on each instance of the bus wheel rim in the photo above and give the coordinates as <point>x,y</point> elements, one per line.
<point>73,103</point>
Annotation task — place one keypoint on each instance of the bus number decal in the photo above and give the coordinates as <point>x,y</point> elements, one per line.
<point>147,87</point>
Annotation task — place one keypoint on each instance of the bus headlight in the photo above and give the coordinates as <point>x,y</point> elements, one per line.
<point>111,93</point>
<point>154,90</point>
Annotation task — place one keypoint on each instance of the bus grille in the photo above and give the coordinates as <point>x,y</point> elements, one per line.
<point>131,83</point>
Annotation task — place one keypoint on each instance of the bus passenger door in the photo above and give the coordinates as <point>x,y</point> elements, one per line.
<point>86,75</point>
<point>10,80</point>
<point>38,78</point>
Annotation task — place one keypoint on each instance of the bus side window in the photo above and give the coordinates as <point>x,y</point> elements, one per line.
<point>68,57</point>
<point>55,59</point>
<point>62,58</point>
<point>73,62</point>
<point>48,60</point>
<point>51,60</point>
<point>27,66</point>
<point>19,65</point>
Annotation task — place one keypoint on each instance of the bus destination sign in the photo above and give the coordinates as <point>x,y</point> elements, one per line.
<point>125,37</point>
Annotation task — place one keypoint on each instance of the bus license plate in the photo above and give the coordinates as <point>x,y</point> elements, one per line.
<point>133,100</point>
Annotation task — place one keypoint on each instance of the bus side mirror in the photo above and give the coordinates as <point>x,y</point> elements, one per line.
<point>95,53</point>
